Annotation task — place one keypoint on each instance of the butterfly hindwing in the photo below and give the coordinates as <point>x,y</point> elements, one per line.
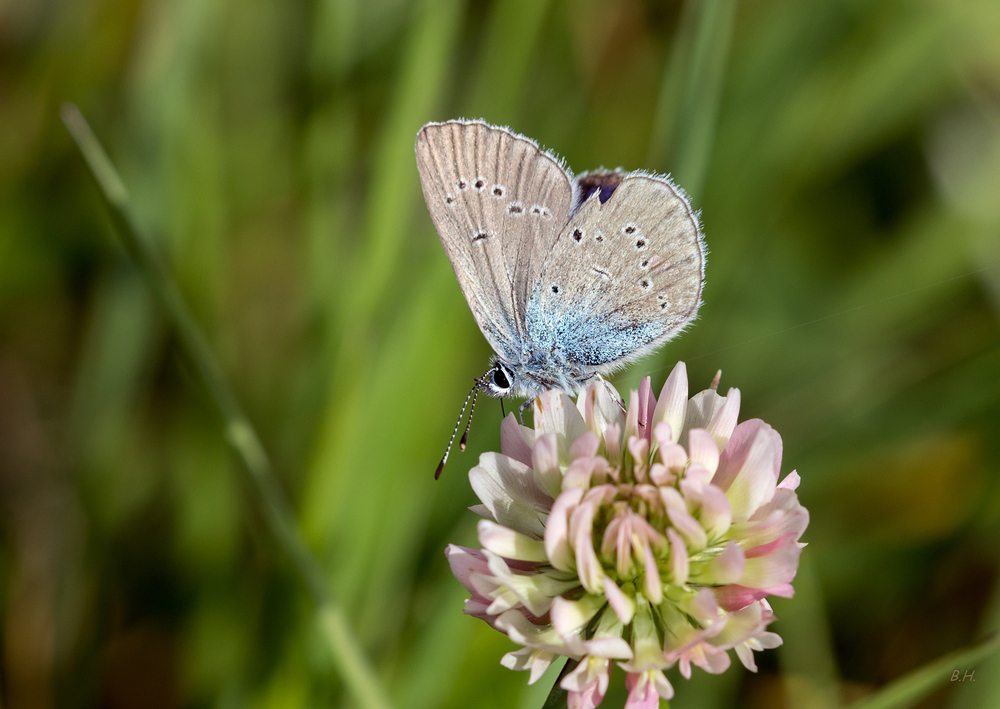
<point>498,203</point>
<point>624,275</point>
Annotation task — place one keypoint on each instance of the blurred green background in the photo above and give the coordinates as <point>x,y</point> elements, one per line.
<point>846,159</point>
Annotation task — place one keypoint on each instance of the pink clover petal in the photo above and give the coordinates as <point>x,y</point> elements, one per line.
<point>707,657</point>
<point>516,440</point>
<point>659,474</point>
<point>782,516</point>
<point>702,449</point>
<point>545,461</point>
<point>673,456</point>
<point>774,565</point>
<point>650,494</point>
<point>586,446</point>
<point>697,476</point>
<point>791,481</point>
<point>557,544</point>
<point>647,404</point>
<point>588,566</point>
<point>613,443</point>
<point>723,422</point>
<point>673,500</point>
<point>726,568</point>
<point>662,434</point>
<point>638,448</point>
<point>465,562</point>
<point>734,597</point>
<point>579,473</point>
<point>508,543</point>
<point>672,404</point>
<point>509,490</point>
<point>716,514</point>
<point>646,689</point>
<point>679,564</point>
<point>622,605</point>
<point>689,528</point>
<point>482,511</point>
<point>632,415</point>
<point>746,468</point>
<point>587,683</point>
<point>743,625</point>
<point>590,698</point>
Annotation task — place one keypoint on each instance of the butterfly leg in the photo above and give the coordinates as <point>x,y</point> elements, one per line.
<point>614,394</point>
<point>520,409</point>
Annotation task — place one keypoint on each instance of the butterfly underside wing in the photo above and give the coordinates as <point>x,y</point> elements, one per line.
<point>567,278</point>
<point>624,275</point>
<point>498,203</point>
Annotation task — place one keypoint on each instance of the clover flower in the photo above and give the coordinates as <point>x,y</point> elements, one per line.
<point>649,538</point>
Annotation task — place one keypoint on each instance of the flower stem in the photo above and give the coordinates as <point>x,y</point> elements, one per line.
<point>349,658</point>
<point>558,696</point>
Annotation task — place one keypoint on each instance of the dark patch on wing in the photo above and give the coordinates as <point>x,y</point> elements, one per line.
<point>602,182</point>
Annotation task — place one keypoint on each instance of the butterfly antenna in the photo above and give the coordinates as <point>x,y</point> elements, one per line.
<point>472,412</point>
<point>447,451</point>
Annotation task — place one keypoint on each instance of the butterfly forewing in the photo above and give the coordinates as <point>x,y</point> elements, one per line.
<point>624,276</point>
<point>498,203</point>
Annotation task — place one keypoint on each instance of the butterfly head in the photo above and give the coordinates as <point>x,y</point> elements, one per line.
<point>500,380</point>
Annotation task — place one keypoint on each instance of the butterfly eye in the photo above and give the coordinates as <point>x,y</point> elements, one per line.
<point>500,380</point>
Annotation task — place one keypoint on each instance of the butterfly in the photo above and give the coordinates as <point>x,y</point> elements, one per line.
<point>569,278</point>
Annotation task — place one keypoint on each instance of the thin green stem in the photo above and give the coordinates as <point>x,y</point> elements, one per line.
<point>349,658</point>
<point>558,696</point>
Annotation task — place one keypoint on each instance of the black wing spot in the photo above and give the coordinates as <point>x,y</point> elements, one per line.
<point>577,234</point>
<point>664,306</point>
<point>536,210</point>
<point>462,184</point>
<point>515,208</point>
<point>640,244</point>
<point>449,199</point>
<point>479,183</point>
<point>645,263</point>
<point>630,229</point>
<point>644,283</point>
<point>480,236</point>
<point>555,289</point>
<point>599,237</point>
<point>498,190</point>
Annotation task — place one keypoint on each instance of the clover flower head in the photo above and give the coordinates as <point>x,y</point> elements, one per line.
<point>648,538</point>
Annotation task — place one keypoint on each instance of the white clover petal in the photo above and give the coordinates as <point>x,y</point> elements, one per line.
<point>556,413</point>
<point>723,421</point>
<point>508,543</point>
<point>702,449</point>
<point>672,404</point>
<point>571,616</point>
<point>511,494</point>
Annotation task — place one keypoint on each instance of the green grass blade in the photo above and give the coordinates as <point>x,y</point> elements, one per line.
<point>687,111</point>
<point>916,685</point>
<point>351,662</point>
